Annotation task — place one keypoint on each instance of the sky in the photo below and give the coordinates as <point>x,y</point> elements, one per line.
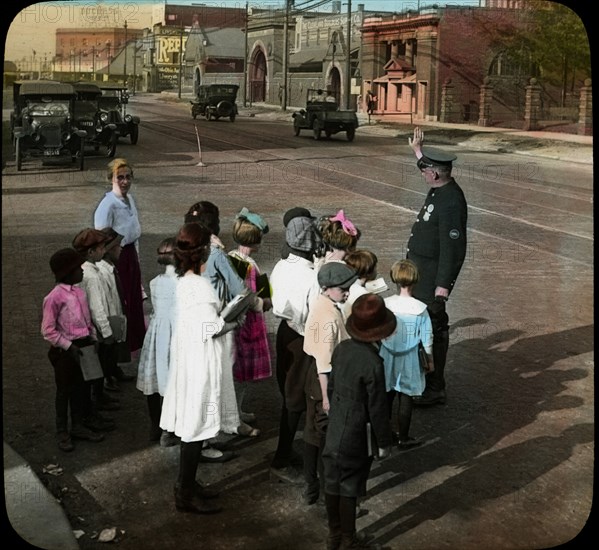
<point>33,24</point>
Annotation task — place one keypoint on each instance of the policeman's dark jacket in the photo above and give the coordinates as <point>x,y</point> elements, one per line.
<point>437,243</point>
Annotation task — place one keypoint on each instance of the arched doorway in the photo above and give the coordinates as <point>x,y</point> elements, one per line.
<point>334,84</point>
<point>258,74</point>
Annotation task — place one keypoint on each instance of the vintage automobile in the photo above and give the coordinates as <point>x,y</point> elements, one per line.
<point>95,120</point>
<point>114,100</point>
<point>322,114</point>
<point>215,101</point>
<point>42,123</point>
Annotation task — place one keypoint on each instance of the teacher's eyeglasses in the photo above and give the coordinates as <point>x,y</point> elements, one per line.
<point>124,177</point>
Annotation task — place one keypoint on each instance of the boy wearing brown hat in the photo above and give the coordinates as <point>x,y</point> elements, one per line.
<point>91,244</point>
<point>67,326</point>
<point>358,408</point>
<point>325,328</point>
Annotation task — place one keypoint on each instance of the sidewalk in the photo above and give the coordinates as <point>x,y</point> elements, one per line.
<point>33,512</point>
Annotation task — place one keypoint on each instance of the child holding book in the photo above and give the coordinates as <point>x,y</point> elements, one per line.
<point>67,326</point>
<point>252,351</point>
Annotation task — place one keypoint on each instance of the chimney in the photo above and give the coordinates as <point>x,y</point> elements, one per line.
<point>337,6</point>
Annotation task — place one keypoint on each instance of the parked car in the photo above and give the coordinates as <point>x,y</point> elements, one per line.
<point>42,122</point>
<point>215,101</point>
<point>95,120</point>
<point>114,99</point>
<point>322,114</point>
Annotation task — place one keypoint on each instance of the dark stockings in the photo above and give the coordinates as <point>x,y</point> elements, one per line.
<point>341,513</point>
<point>404,413</point>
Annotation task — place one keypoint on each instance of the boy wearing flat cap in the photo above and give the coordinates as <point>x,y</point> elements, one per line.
<point>294,287</point>
<point>437,246</point>
<point>325,328</point>
<point>67,326</point>
<point>358,412</point>
<point>91,244</point>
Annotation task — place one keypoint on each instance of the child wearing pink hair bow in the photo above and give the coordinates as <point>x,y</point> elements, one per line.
<point>339,235</point>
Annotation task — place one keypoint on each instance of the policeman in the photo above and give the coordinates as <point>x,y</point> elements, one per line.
<point>437,245</point>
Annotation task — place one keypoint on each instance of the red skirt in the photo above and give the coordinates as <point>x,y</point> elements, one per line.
<point>130,278</point>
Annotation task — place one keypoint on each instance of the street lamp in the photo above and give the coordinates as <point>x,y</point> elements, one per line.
<point>348,60</point>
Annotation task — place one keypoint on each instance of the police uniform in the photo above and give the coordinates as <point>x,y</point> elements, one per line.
<point>437,245</point>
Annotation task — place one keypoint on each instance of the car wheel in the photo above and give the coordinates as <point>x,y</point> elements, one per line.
<point>111,146</point>
<point>351,134</point>
<point>19,154</point>
<point>208,115</point>
<point>317,130</point>
<point>134,136</point>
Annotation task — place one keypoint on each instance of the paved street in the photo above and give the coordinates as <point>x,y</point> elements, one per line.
<point>508,462</point>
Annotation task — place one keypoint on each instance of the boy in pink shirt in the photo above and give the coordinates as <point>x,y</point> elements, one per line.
<point>67,326</point>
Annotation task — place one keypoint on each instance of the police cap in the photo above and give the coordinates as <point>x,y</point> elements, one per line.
<point>435,157</point>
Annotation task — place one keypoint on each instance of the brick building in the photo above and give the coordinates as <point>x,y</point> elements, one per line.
<point>410,60</point>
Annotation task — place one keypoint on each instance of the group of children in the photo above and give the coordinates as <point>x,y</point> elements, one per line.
<point>342,352</point>
<point>85,313</point>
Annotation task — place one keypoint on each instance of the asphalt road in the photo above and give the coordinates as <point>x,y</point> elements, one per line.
<point>508,461</point>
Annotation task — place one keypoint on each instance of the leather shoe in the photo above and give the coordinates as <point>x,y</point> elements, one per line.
<point>409,443</point>
<point>190,501</point>
<point>120,375</point>
<point>64,442</point>
<point>168,439</point>
<point>110,384</point>
<point>287,474</point>
<point>81,432</point>
<point>203,491</point>
<point>214,456</point>
<point>430,397</point>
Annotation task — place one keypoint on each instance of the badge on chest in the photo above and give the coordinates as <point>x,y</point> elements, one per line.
<point>429,211</point>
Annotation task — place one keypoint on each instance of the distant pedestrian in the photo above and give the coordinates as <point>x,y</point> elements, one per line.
<point>325,328</point>
<point>252,349</point>
<point>371,100</point>
<point>118,210</point>
<point>358,423</point>
<point>437,246</point>
<point>152,372</point>
<point>403,374</point>
<point>68,327</point>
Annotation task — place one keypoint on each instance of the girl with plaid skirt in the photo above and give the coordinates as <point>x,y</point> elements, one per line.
<point>252,350</point>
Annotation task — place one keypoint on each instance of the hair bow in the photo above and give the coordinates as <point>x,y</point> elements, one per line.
<point>346,224</point>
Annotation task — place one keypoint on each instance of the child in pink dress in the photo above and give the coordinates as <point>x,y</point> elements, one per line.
<point>252,350</point>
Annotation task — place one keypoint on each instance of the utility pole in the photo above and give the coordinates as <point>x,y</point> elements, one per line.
<point>348,60</point>
<point>285,54</point>
<point>245,60</point>
<point>125,64</point>
<point>180,61</point>
<point>134,65</point>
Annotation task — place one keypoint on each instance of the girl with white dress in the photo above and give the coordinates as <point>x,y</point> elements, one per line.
<point>154,358</point>
<point>403,374</point>
<point>192,401</point>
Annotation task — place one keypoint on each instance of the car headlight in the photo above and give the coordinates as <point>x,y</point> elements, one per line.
<point>104,117</point>
<point>128,118</point>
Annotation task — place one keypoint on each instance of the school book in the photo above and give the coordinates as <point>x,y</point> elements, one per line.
<point>262,283</point>
<point>237,306</point>
<point>90,364</point>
